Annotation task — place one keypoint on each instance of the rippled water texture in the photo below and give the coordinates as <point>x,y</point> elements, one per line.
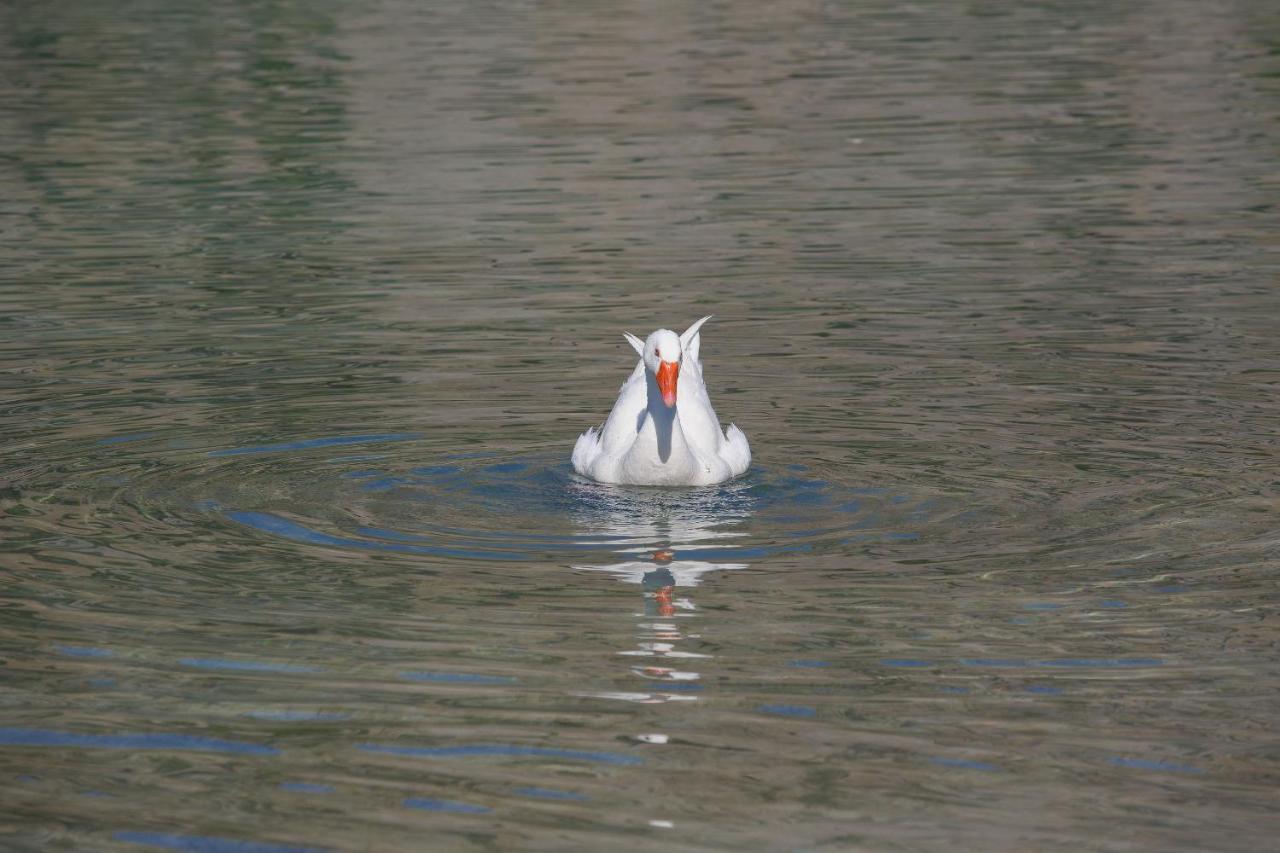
<point>303,304</point>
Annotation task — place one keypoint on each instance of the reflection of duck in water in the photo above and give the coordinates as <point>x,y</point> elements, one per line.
<point>661,585</point>
<point>660,633</point>
<point>662,571</point>
<point>652,527</point>
<point>658,525</point>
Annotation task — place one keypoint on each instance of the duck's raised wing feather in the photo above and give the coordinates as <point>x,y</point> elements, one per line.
<point>691,342</point>
<point>619,430</point>
<point>698,419</point>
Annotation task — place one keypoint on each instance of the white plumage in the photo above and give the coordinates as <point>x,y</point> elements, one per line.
<point>662,430</point>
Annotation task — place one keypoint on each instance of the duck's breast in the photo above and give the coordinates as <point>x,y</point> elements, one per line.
<point>660,454</point>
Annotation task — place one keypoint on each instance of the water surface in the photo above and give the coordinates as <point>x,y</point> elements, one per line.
<point>303,305</point>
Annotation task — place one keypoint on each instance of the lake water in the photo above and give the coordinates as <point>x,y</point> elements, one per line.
<point>302,306</point>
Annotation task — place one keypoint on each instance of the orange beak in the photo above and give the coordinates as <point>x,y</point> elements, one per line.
<point>668,373</point>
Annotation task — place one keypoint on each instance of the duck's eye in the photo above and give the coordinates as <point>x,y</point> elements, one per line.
<point>658,353</point>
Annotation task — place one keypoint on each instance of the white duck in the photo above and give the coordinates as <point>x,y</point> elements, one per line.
<point>662,430</point>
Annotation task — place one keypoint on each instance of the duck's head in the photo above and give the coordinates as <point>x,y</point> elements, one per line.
<point>662,353</point>
<point>661,356</point>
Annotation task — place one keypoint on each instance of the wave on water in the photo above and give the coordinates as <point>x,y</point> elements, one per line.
<point>521,508</point>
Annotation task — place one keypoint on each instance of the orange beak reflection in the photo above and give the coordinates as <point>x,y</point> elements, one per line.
<point>668,373</point>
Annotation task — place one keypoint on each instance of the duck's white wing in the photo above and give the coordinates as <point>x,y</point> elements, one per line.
<point>620,429</point>
<point>691,342</point>
<point>612,440</point>
<point>698,420</point>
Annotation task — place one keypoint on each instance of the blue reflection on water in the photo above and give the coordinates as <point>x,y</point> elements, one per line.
<point>1102,662</point>
<point>431,805</point>
<point>300,533</point>
<point>551,794</point>
<point>122,439</point>
<point>83,651</point>
<point>307,444</point>
<point>1086,663</point>
<point>607,514</point>
<point>531,540</point>
<point>207,844</point>
<point>809,664</point>
<point>157,740</point>
<point>384,484</point>
<point>458,677</point>
<point>306,788</point>
<point>246,665</point>
<point>359,475</point>
<point>995,662</point>
<point>788,710</point>
<point>501,750</point>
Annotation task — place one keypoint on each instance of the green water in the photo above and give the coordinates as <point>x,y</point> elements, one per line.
<point>303,304</point>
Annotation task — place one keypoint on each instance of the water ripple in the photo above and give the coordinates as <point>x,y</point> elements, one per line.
<point>431,805</point>
<point>207,844</point>
<point>312,443</point>
<point>483,750</point>
<point>532,508</point>
<point>246,665</point>
<point>44,737</point>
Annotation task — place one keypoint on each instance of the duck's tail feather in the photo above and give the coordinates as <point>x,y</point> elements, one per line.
<point>736,450</point>
<point>585,451</point>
